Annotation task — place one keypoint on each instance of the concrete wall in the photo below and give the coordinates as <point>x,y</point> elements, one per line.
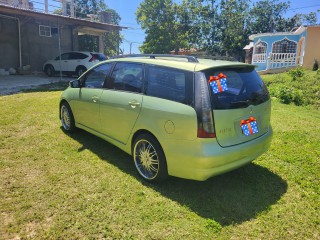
<point>36,49</point>
<point>9,43</point>
<point>312,50</point>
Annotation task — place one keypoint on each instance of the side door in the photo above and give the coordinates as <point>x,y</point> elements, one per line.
<point>75,60</point>
<point>63,63</point>
<point>87,99</point>
<point>121,103</point>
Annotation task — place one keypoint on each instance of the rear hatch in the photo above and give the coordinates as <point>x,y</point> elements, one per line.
<point>240,103</point>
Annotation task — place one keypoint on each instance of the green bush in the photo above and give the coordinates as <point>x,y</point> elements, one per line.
<point>289,95</point>
<point>315,65</point>
<point>213,226</point>
<point>296,73</point>
<point>302,91</point>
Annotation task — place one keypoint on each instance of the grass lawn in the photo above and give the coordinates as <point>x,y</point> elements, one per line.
<point>59,186</point>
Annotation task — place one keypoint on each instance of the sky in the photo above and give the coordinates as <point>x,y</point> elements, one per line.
<point>135,35</point>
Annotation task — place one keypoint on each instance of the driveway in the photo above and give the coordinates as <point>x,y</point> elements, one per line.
<point>15,83</point>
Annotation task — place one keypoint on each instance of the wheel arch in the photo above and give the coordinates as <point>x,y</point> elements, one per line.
<point>81,66</point>
<point>47,65</point>
<point>138,133</point>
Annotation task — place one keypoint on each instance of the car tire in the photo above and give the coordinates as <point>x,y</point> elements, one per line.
<point>149,158</point>
<point>49,69</point>
<point>67,119</point>
<point>80,70</point>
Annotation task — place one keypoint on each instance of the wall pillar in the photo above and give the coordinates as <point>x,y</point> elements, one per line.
<point>74,39</point>
<point>101,44</point>
<point>72,8</point>
<point>46,6</point>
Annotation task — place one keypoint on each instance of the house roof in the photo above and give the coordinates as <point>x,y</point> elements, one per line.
<point>5,9</point>
<point>250,45</point>
<point>296,32</point>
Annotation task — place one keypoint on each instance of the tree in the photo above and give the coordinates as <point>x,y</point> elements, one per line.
<point>161,22</point>
<point>234,22</point>
<point>203,25</point>
<point>266,16</point>
<point>216,27</point>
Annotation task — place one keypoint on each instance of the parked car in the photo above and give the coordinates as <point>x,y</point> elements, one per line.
<point>180,116</point>
<point>73,63</point>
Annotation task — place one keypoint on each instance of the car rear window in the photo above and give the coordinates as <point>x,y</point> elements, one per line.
<point>238,88</point>
<point>99,56</point>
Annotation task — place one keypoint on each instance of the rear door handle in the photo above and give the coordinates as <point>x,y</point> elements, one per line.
<point>134,103</point>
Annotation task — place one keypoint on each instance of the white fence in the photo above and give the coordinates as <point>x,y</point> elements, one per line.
<point>281,60</point>
<point>259,58</point>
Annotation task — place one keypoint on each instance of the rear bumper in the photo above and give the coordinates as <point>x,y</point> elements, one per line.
<point>203,158</point>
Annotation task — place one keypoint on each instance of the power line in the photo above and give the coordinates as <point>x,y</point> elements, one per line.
<point>291,9</point>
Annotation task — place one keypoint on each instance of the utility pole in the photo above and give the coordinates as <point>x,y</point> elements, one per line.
<point>213,27</point>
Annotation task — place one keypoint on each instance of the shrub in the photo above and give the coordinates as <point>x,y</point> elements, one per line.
<point>213,226</point>
<point>315,65</point>
<point>296,73</point>
<point>288,95</point>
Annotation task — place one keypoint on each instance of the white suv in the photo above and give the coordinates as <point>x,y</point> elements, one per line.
<point>73,63</point>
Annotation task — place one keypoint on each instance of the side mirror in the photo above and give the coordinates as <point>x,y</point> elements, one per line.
<point>74,84</point>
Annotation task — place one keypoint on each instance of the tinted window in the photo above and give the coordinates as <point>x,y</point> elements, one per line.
<point>128,77</point>
<point>65,56</point>
<point>96,77</point>
<point>78,55</point>
<point>99,56</point>
<point>171,84</point>
<point>244,88</point>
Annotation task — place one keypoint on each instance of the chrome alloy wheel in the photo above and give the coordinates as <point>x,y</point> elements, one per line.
<point>146,159</point>
<point>65,117</point>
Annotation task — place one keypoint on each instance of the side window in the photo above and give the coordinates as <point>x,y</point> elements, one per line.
<point>128,77</point>
<point>72,56</point>
<point>96,77</point>
<point>65,56</point>
<point>170,84</point>
<point>78,56</point>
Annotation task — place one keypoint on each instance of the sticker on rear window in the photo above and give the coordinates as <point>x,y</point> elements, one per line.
<point>249,126</point>
<point>218,83</point>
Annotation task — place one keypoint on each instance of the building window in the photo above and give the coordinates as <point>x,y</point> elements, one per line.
<point>44,31</point>
<point>284,46</point>
<point>259,52</point>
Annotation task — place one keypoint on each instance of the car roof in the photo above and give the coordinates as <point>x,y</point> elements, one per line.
<point>82,52</point>
<point>181,63</point>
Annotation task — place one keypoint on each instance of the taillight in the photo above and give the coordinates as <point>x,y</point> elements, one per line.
<point>203,107</point>
<point>92,57</point>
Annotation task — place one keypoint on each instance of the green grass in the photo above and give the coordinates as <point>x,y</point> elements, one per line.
<point>59,186</point>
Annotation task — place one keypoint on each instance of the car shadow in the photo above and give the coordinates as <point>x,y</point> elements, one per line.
<point>230,198</point>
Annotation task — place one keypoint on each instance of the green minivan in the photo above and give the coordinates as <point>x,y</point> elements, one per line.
<point>177,116</point>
